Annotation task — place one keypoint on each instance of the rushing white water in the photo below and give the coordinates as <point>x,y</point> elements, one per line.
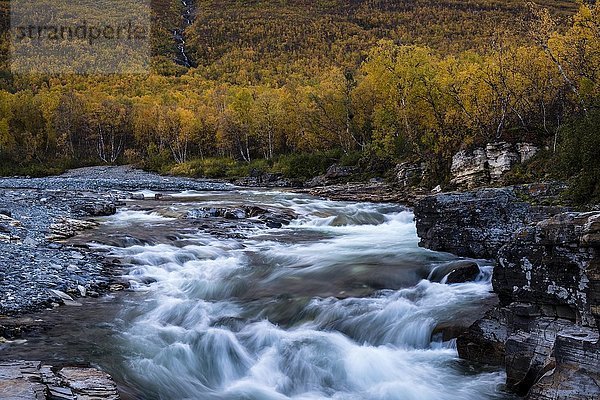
<point>335,306</point>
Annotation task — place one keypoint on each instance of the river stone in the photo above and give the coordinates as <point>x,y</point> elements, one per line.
<point>235,213</point>
<point>96,209</point>
<point>468,271</point>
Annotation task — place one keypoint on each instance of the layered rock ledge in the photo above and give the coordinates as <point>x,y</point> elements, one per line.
<point>27,380</point>
<point>547,276</point>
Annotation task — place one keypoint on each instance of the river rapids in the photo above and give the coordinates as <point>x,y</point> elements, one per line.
<point>336,305</point>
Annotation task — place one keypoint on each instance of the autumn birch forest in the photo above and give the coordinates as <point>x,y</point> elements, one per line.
<point>276,83</point>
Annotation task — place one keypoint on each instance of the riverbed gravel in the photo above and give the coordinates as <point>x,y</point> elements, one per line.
<point>37,269</point>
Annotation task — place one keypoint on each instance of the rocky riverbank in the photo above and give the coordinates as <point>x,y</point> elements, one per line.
<point>547,276</point>
<point>37,215</point>
<point>41,268</point>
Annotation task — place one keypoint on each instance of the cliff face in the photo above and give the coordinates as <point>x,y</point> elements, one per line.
<point>547,277</point>
<point>486,165</point>
<point>554,265</point>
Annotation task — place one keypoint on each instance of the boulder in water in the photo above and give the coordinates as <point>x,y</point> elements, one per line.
<point>465,271</point>
<point>234,213</point>
<point>455,272</point>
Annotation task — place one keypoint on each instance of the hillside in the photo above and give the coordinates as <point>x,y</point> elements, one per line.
<point>293,86</point>
<point>252,41</point>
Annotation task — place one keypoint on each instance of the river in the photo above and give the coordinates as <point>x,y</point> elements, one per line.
<point>336,305</point>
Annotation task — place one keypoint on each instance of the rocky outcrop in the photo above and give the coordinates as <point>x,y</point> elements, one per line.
<point>576,372</point>
<point>410,174</point>
<point>484,166</point>
<point>547,277</point>
<point>375,191</point>
<point>554,265</point>
<point>476,224</point>
<point>335,173</point>
<point>32,380</point>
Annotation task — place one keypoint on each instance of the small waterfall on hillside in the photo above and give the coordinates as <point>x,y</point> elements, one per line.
<point>182,57</point>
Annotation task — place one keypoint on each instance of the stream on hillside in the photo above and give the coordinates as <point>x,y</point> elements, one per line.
<point>336,305</point>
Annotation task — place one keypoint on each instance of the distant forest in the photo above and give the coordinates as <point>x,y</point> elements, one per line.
<point>367,82</point>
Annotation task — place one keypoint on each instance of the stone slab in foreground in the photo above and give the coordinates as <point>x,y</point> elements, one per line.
<point>32,380</point>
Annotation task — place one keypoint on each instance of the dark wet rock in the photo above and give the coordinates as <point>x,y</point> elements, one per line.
<point>163,197</point>
<point>476,224</point>
<point>440,271</point>
<point>460,323</point>
<point>33,380</point>
<point>213,212</point>
<point>547,277</point>
<point>96,208</point>
<point>273,224</point>
<point>552,267</point>
<point>467,271</point>
<point>204,212</point>
<point>553,264</point>
<point>274,219</point>
<point>529,346</point>
<point>485,340</point>
<point>271,218</point>
<point>234,213</point>
<point>15,327</point>
<point>545,331</point>
<point>575,373</point>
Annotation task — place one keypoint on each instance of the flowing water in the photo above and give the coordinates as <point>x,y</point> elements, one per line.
<point>337,305</point>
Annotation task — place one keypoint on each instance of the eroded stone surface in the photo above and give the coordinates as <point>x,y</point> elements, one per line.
<point>484,166</point>
<point>32,380</point>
